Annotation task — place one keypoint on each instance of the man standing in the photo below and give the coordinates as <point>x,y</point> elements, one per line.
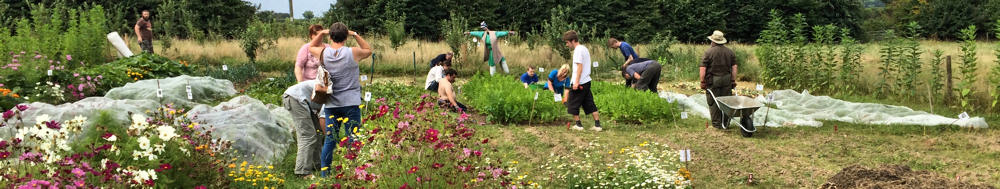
<point>446,91</point>
<point>441,58</point>
<point>646,75</point>
<point>718,75</point>
<point>580,95</point>
<point>144,31</point>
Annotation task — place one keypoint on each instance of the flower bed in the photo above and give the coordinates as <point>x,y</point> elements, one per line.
<point>504,99</point>
<point>164,149</point>
<point>646,165</point>
<point>622,104</point>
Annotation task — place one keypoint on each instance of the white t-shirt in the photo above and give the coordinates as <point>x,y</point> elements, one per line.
<point>433,75</point>
<point>581,56</point>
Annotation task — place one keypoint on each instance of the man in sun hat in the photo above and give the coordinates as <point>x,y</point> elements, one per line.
<point>718,74</point>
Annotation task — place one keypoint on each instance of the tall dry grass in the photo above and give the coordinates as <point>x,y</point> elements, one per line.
<point>401,60</point>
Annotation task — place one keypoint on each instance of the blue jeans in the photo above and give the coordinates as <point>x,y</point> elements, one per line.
<point>353,114</point>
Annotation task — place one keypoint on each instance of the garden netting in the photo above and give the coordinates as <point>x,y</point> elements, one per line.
<point>802,109</point>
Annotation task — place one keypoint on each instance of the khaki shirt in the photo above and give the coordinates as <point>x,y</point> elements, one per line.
<point>718,60</point>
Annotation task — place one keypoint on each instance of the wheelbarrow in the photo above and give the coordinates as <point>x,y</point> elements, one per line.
<point>738,106</point>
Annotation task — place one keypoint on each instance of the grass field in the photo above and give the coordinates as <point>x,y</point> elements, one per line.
<point>787,157</point>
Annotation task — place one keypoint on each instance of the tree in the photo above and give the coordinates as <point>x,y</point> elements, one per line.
<point>308,15</point>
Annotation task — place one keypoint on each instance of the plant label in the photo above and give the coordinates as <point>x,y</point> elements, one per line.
<point>270,79</point>
<point>760,87</point>
<point>557,97</point>
<point>541,69</point>
<point>687,154</point>
<point>684,115</point>
<point>595,64</point>
<point>681,153</point>
<point>670,99</point>
<point>770,97</point>
<point>159,93</point>
<point>225,67</point>
<point>49,73</point>
<point>475,40</point>
<point>963,116</point>
<point>536,95</point>
<point>190,95</point>
<point>368,96</point>
<point>364,77</point>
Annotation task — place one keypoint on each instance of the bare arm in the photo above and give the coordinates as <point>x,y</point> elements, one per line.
<point>137,34</point>
<point>701,74</point>
<point>549,83</point>
<point>734,72</point>
<point>630,59</point>
<point>576,76</point>
<point>364,50</point>
<point>525,85</point>
<point>636,75</point>
<point>318,40</point>
<point>450,93</point>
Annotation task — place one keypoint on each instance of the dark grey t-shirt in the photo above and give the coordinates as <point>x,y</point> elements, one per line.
<point>638,67</point>
<point>344,77</point>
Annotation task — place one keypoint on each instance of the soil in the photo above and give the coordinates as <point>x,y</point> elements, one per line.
<point>892,176</point>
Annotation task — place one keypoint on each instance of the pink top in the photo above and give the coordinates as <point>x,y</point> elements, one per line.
<point>307,62</point>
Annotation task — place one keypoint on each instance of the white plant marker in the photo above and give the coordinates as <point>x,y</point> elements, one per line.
<point>188,89</point>
<point>595,64</point>
<point>760,87</point>
<point>963,116</point>
<point>684,115</point>
<point>670,99</point>
<point>368,96</point>
<point>681,153</point>
<point>557,97</point>
<point>364,77</point>
<point>541,69</point>
<point>49,73</point>
<point>159,93</point>
<point>536,95</point>
<point>687,153</point>
<point>225,67</point>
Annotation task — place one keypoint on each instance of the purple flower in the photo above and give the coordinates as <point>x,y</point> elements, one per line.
<point>409,116</point>
<point>88,78</point>
<point>38,56</point>
<point>69,57</point>
<point>35,184</point>
<point>22,107</point>
<point>8,114</point>
<point>22,52</point>
<point>100,76</point>
<point>14,61</point>
<point>3,144</point>
<point>52,67</point>
<point>53,125</point>
<point>76,74</point>
<point>78,172</point>
<point>79,87</point>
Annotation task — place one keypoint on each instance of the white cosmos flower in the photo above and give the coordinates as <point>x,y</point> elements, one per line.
<point>166,132</point>
<point>143,142</point>
<point>112,138</point>
<point>41,119</point>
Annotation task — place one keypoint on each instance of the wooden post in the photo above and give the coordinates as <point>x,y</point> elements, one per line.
<point>948,86</point>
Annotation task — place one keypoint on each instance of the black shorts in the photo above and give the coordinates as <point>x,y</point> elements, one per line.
<point>581,98</point>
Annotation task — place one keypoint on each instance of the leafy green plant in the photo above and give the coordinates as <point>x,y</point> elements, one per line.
<point>503,99</point>
<point>850,62</point>
<point>909,63</point>
<point>968,68</point>
<point>269,91</point>
<point>453,30</point>
<point>937,78</point>
<point>661,46</point>
<point>257,36</point>
<point>889,55</point>
<point>396,31</point>
<point>619,103</point>
<point>155,66</point>
<point>553,29</point>
<point>995,72</point>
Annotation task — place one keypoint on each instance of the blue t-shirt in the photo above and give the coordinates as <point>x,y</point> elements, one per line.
<point>525,78</point>
<point>627,50</point>
<point>557,84</point>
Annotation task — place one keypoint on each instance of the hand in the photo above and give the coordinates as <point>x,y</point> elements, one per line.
<point>352,33</point>
<point>320,88</point>
<point>704,85</point>
<point>324,32</point>
<point>576,86</point>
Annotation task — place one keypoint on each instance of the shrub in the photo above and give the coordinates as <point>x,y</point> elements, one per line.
<point>453,30</point>
<point>154,66</point>
<point>995,72</point>
<point>503,99</point>
<point>619,103</point>
<point>553,29</point>
<point>850,62</point>
<point>396,31</point>
<point>270,90</point>
<point>968,68</point>
<point>256,37</point>
<point>937,78</point>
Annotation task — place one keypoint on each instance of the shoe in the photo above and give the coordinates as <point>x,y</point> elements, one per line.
<point>598,129</point>
<point>577,127</point>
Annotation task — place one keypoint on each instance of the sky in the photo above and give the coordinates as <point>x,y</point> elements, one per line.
<point>281,6</point>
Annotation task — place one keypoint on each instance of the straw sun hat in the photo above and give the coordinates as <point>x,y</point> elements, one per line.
<point>717,37</point>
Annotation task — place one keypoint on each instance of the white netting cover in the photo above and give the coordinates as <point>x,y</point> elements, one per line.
<point>803,109</point>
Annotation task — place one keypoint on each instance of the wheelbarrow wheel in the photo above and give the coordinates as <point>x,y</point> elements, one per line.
<point>747,122</point>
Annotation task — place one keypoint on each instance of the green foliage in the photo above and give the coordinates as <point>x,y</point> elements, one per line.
<point>937,77</point>
<point>889,58</point>
<point>58,30</point>
<point>308,15</point>
<point>503,99</point>
<point>995,72</point>
<point>155,66</point>
<point>257,36</point>
<point>553,29</point>
<point>910,63</point>
<point>968,68</point>
<point>453,30</point>
<point>661,46</point>
<point>237,72</point>
<point>619,103</point>
<point>789,59</point>
<point>850,62</point>
<point>270,90</point>
<point>395,28</point>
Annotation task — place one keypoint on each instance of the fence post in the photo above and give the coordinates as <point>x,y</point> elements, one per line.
<point>948,85</point>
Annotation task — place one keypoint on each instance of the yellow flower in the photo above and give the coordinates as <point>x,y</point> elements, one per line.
<point>361,106</point>
<point>243,164</point>
<point>331,117</point>
<point>270,167</point>
<point>329,125</point>
<point>343,139</point>
<point>355,130</point>
<point>324,168</point>
<point>232,165</point>
<point>345,120</point>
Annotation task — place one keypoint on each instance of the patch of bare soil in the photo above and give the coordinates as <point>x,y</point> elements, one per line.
<point>892,176</point>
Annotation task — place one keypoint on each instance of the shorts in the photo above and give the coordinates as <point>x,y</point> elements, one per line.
<point>581,98</point>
